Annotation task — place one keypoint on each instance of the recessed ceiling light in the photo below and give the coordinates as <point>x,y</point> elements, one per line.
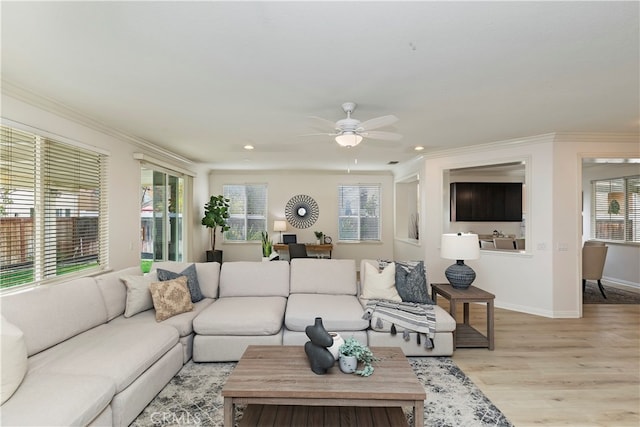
<point>249,147</point>
<point>418,148</point>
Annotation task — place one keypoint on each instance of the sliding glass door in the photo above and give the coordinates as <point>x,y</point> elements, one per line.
<point>161,215</point>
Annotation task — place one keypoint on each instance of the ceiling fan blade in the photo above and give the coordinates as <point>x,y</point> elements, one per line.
<point>321,133</point>
<point>377,122</point>
<point>376,134</point>
<point>323,122</point>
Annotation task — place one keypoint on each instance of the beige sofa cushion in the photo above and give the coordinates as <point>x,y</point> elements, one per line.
<point>254,279</point>
<point>113,350</point>
<point>338,312</point>
<point>53,399</point>
<point>13,358</point>
<point>183,322</point>
<point>66,309</point>
<point>242,316</point>
<point>323,276</point>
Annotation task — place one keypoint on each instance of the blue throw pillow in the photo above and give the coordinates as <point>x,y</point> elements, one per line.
<point>411,282</point>
<point>192,280</point>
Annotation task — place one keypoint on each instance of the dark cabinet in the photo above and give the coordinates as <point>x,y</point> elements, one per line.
<point>486,201</point>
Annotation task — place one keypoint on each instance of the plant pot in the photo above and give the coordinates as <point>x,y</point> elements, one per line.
<point>348,364</point>
<point>337,342</point>
<point>145,265</point>
<point>214,256</point>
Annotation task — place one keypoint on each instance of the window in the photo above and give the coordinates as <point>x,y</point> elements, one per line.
<point>616,209</point>
<point>53,214</point>
<point>247,211</point>
<point>359,212</point>
<point>161,214</point>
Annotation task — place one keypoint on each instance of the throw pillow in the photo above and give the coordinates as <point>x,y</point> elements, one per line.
<point>14,358</point>
<point>192,276</point>
<point>411,282</point>
<point>138,294</point>
<point>170,298</point>
<point>380,285</point>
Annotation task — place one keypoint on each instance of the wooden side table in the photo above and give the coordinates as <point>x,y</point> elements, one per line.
<point>466,335</point>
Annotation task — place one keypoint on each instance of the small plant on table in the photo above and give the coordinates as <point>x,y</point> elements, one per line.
<point>352,347</point>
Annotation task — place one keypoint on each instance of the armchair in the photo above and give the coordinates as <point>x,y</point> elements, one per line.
<point>593,259</point>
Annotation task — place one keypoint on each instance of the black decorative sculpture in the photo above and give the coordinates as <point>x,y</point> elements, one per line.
<point>319,357</point>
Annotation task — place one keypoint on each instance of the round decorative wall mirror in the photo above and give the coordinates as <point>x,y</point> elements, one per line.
<point>301,211</point>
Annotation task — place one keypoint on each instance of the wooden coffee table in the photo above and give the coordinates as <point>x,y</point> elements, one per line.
<point>280,375</point>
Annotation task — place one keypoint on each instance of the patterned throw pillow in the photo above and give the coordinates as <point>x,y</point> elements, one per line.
<point>411,282</point>
<point>170,298</point>
<point>192,276</point>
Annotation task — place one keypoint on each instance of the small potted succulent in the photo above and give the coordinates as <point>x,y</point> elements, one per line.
<point>352,352</point>
<point>319,235</point>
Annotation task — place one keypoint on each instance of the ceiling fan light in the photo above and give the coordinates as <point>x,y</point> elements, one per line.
<point>348,139</point>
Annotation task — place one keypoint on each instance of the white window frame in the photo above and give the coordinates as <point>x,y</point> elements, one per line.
<point>358,214</point>
<point>619,207</point>
<point>43,155</point>
<point>245,217</point>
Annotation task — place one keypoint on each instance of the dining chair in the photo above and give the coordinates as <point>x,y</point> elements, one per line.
<point>504,243</point>
<point>593,259</point>
<point>297,250</point>
<point>485,244</point>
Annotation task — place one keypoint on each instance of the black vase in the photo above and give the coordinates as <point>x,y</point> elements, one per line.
<point>318,334</point>
<point>320,358</point>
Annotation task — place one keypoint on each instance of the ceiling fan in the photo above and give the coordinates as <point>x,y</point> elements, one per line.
<point>349,132</point>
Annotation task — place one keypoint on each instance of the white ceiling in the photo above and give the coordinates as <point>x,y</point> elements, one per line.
<point>203,79</point>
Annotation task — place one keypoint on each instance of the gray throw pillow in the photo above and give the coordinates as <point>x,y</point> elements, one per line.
<point>192,280</point>
<point>411,282</point>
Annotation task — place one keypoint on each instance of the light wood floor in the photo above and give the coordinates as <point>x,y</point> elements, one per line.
<point>560,372</point>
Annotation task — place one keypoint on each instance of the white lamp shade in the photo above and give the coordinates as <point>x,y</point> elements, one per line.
<point>460,246</point>
<point>279,225</point>
<point>348,139</point>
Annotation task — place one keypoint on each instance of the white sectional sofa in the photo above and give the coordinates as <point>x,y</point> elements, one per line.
<point>89,365</point>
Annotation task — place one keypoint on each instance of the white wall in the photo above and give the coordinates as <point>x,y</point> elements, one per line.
<point>520,281</point>
<point>545,280</point>
<point>406,249</point>
<point>124,174</point>
<point>323,188</point>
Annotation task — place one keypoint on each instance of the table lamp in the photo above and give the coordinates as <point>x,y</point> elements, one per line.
<point>460,247</point>
<point>279,225</point>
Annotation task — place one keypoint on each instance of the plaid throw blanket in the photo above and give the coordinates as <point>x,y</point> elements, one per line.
<point>410,316</point>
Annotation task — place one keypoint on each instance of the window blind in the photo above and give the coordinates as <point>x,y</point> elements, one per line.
<point>53,214</point>
<point>359,212</point>
<point>247,211</point>
<point>616,209</point>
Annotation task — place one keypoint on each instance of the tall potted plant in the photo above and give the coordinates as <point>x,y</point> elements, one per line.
<point>216,214</point>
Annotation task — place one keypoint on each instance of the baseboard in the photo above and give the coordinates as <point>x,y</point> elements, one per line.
<point>619,282</point>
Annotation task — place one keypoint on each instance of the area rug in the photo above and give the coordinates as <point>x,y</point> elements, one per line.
<point>193,398</point>
<point>592,295</point>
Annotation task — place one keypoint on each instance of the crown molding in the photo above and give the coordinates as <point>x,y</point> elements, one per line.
<point>52,106</point>
<point>536,139</point>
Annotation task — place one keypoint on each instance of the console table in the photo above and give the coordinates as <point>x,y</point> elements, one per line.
<point>465,335</point>
<point>311,247</point>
